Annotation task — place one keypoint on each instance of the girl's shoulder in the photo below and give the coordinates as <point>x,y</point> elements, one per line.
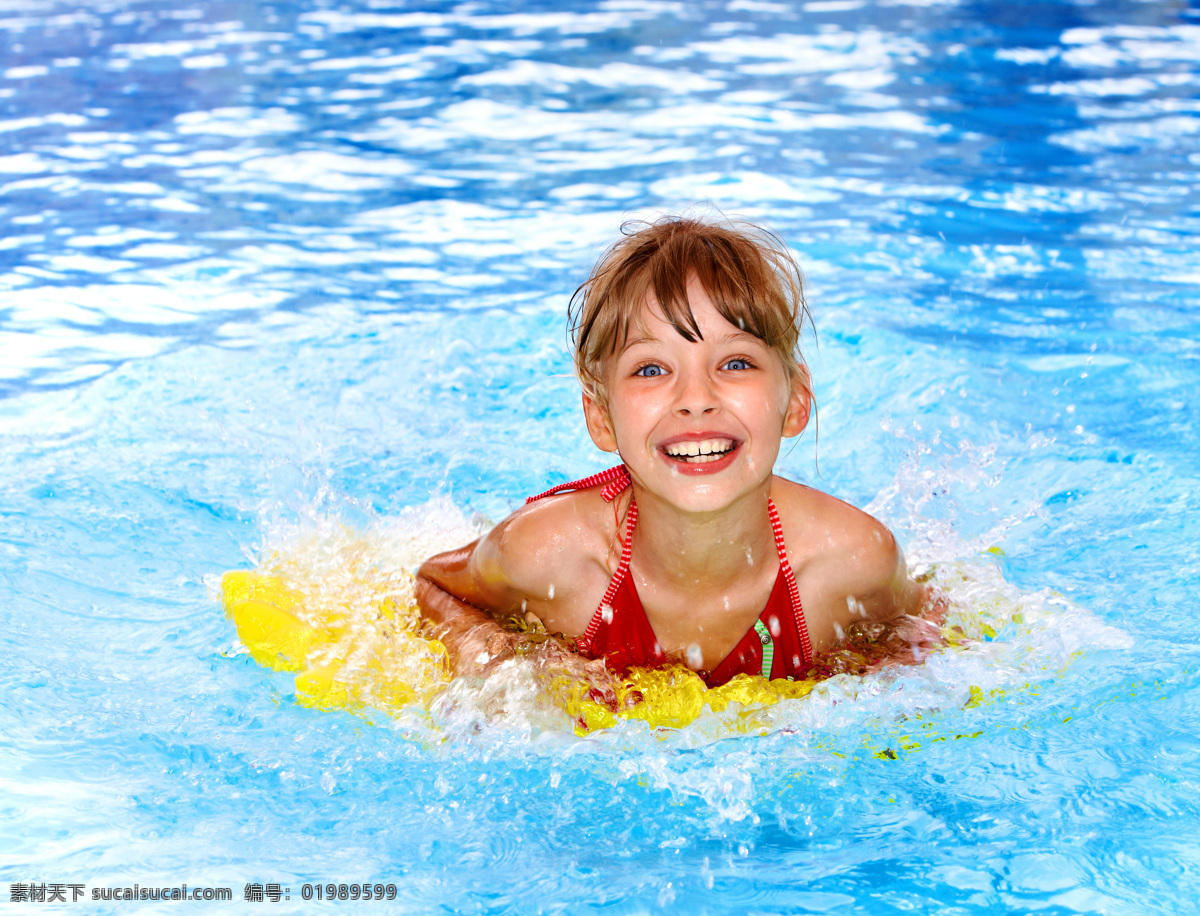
<point>848,565</point>
<point>818,526</point>
<point>550,544</point>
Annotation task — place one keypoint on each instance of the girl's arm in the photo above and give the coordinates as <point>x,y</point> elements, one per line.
<point>883,582</point>
<point>520,568</point>
<point>474,638</point>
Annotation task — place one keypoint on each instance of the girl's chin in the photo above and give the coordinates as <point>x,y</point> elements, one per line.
<point>698,493</point>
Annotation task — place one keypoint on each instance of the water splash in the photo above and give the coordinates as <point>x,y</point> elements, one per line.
<point>353,588</point>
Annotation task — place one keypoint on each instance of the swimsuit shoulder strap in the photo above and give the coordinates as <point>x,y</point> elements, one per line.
<point>614,480</point>
<point>604,613</point>
<point>789,578</point>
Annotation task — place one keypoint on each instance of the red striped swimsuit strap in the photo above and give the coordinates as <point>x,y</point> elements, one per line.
<point>615,480</point>
<point>604,613</point>
<point>789,579</point>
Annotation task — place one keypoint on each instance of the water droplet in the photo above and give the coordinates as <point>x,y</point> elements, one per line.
<point>606,613</point>
<point>695,657</point>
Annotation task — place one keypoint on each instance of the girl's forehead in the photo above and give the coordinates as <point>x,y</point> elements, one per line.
<point>649,321</point>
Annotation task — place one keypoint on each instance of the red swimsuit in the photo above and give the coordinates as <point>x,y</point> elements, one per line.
<point>777,646</point>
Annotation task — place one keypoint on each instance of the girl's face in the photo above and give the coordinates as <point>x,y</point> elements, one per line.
<point>697,423</point>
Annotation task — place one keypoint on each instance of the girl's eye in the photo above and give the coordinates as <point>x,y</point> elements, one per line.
<point>738,364</point>
<point>650,370</point>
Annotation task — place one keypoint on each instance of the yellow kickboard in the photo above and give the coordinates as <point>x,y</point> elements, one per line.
<point>269,620</point>
<point>394,667</point>
<point>261,608</point>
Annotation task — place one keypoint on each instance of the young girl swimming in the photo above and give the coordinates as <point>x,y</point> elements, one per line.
<point>690,551</point>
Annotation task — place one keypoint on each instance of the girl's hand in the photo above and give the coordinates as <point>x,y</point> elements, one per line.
<point>479,650</point>
<point>555,658</point>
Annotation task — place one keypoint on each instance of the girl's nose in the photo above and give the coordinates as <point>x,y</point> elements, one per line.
<point>696,395</point>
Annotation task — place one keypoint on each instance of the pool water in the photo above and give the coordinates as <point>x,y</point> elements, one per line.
<point>286,283</point>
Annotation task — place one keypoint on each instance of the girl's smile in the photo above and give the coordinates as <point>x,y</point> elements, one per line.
<point>701,453</point>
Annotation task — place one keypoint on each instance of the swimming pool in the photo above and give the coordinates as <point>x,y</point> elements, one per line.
<point>292,277</point>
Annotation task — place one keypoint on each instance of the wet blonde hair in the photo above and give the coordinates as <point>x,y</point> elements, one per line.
<point>746,271</point>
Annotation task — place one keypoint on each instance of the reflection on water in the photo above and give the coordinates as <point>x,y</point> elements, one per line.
<point>204,166</point>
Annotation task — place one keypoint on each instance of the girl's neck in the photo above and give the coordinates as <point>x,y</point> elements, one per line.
<point>706,549</point>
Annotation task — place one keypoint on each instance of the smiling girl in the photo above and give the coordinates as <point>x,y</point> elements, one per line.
<point>691,550</point>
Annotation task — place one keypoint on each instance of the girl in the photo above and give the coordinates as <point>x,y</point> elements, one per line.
<point>691,550</point>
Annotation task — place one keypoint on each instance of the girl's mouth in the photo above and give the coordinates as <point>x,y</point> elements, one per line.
<point>703,451</point>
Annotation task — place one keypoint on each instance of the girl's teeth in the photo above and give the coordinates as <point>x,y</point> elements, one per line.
<point>700,452</point>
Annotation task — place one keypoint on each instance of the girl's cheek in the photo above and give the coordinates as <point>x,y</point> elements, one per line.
<point>637,400</point>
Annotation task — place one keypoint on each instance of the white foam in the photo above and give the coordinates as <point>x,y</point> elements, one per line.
<point>441,222</point>
<point>205,62</point>
<point>742,186</point>
<point>332,171</point>
<point>1163,132</point>
<point>611,76</point>
<point>165,251</point>
<point>59,118</point>
<point>831,52</point>
<point>239,122</point>
<point>21,352</point>
<point>40,309</point>
<point>26,72</point>
<point>24,163</point>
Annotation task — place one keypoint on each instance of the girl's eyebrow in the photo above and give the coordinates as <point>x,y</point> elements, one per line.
<point>735,337</point>
<point>739,338</point>
<point>638,340</point>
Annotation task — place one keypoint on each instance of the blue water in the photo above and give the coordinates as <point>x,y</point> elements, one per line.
<point>291,278</point>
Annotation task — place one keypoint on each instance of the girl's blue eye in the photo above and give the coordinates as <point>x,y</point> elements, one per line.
<point>737,364</point>
<point>650,371</point>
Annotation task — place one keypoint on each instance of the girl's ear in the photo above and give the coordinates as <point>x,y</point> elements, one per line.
<point>799,408</point>
<point>599,423</point>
